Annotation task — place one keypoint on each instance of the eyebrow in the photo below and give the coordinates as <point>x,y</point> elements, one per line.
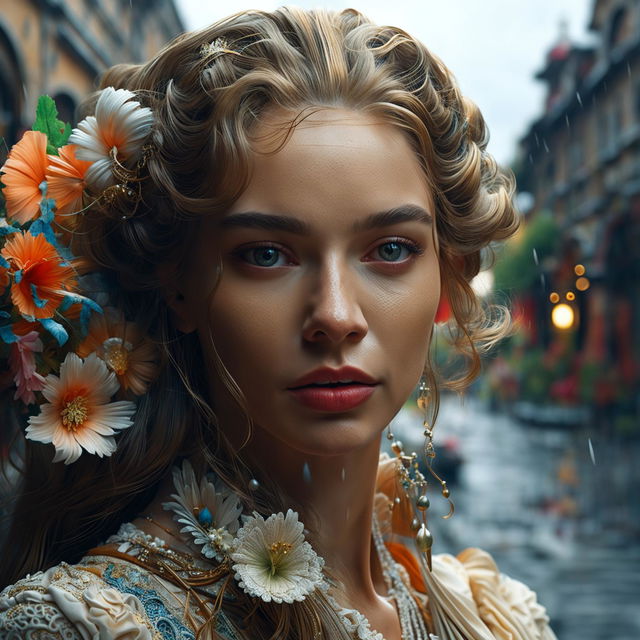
<point>275,222</point>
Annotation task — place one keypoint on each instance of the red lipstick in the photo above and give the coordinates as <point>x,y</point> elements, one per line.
<point>333,390</point>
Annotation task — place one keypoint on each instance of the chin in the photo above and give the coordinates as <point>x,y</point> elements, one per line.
<point>334,439</point>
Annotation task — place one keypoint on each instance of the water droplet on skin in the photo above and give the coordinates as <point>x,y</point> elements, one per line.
<point>306,473</point>
<point>591,453</point>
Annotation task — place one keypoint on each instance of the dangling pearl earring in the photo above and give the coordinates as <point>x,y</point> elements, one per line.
<point>413,481</point>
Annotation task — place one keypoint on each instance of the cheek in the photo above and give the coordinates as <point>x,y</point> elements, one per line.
<point>248,332</point>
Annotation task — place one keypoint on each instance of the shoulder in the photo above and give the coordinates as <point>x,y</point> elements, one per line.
<point>469,597</point>
<point>71,602</point>
<point>506,607</point>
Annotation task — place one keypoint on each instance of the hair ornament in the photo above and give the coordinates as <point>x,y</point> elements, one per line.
<point>76,367</point>
<point>113,139</point>
<point>219,45</point>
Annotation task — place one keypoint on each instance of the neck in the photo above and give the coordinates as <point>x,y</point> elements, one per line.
<point>335,496</point>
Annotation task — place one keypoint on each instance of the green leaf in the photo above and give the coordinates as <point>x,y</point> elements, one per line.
<point>47,122</point>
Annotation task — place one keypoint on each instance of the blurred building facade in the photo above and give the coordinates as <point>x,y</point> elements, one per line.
<point>580,160</point>
<point>59,48</point>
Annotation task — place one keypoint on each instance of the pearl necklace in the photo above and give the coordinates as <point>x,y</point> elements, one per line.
<point>411,622</point>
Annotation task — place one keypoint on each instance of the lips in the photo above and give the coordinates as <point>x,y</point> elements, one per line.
<point>333,390</point>
<point>326,375</point>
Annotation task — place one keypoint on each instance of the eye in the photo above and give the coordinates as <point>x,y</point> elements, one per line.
<point>396,250</point>
<point>264,256</point>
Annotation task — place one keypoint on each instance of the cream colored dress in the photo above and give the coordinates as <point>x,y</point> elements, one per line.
<point>109,598</point>
<point>114,598</point>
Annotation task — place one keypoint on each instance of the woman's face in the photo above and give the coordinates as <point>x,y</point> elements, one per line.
<point>329,261</point>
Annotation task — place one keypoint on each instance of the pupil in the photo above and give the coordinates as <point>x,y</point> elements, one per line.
<point>266,257</point>
<point>391,251</point>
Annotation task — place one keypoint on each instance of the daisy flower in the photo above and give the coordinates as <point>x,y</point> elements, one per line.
<point>273,561</point>
<point>128,353</point>
<point>41,278</point>
<point>210,513</point>
<point>23,173</point>
<point>22,363</point>
<point>120,126</point>
<point>79,414</point>
<point>65,181</point>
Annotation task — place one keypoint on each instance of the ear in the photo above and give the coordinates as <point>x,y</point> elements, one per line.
<point>183,317</point>
<point>176,299</point>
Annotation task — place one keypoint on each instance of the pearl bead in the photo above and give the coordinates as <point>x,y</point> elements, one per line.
<point>253,484</point>
<point>397,447</point>
<point>422,503</point>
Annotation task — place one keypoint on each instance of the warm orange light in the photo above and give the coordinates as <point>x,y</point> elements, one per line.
<point>579,270</point>
<point>582,284</point>
<point>570,296</point>
<point>562,316</point>
<point>554,297</point>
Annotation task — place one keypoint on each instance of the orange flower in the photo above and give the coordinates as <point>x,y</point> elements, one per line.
<point>128,353</point>
<point>24,172</point>
<point>40,266</point>
<point>65,180</point>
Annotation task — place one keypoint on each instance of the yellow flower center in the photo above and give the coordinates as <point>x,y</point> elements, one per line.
<point>74,413</point>
<point>277,552</point>
<point>116,355</point>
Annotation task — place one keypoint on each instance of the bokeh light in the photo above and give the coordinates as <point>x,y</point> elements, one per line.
<point>554,297</point>
<point>570,296</point>
<point>582,284</point>
<point>562,316</point>
<point>579,270</point>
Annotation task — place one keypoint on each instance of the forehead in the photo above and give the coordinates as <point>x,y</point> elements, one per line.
<point>334,159</point>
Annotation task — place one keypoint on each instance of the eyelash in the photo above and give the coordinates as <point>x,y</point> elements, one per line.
<point>413,248</point>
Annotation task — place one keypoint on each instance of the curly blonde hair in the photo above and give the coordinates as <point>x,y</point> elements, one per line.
<point>208,90</point>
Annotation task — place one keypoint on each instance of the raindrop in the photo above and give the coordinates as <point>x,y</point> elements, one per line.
<point>546,148</point>
<point>628,69</point>
<point>343,474</point>
<point>535,256</point>
<point>591,454</point>
<point>530,159</point>
<point>566,119</point>
<point>543,283</point>
<point>306,473</point>
<point>535,136</point>
<point>579,98</point>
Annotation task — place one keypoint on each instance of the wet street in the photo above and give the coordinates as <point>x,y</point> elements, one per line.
<point>557,509</point>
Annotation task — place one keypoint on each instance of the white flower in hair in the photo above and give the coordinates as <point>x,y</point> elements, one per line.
<point>210,513</point>
<point>78,413</point>
<point>120,126</point>
<point>273,561</point>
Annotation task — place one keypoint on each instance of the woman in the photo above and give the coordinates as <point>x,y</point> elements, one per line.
<point>278,206</point>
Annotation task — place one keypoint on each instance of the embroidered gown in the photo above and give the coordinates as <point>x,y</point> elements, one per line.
<point>112,597</point>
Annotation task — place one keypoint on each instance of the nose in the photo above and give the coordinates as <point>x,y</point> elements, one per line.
<point>334,313</point>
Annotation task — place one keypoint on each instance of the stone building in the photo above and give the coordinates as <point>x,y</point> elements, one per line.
<point>580,160</point>
<point>59,47</point>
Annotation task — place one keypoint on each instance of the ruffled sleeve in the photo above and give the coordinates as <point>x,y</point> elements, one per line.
<point>470,598</point>
<point>509,608</point>
<point>68,603</point>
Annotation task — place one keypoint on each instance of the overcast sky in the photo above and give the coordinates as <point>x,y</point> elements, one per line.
<point>494,47</point>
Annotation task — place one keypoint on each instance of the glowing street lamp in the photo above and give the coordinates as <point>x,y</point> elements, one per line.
<point>562,316</point>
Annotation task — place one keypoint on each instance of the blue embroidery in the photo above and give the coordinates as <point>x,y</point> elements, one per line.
<point>166,623</point>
